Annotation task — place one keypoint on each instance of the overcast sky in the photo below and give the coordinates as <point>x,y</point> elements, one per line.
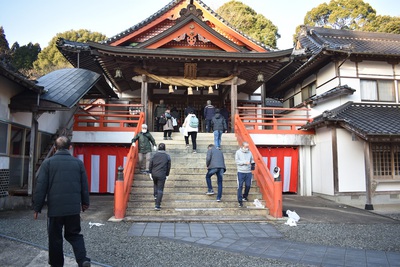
<point>38,21</point>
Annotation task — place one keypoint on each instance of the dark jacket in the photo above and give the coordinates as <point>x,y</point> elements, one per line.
<point>218,123</point>
<point>146,140</point>
<point>209,112</point>
<point>215,159</point>
<point>62,178</point>
<point>160,110</point>
<point>160,164</point>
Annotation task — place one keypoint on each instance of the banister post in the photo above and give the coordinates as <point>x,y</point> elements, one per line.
<point>119,211</point>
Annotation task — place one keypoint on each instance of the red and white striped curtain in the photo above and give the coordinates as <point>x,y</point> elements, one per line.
<point>287,159</point>
<point>101,164</point>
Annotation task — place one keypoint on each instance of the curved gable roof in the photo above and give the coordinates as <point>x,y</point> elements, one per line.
<point>173,12</point>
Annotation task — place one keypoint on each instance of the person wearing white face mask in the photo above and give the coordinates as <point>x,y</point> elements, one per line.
<point>146,141</point>
<point>244,160</point>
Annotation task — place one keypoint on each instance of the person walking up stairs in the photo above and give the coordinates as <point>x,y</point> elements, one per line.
<point>184,198</point>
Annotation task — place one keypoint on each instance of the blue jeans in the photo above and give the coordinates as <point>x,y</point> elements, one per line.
<point>220,174</point>
<point>217,138</point>
<point>246,179</point>
<point>208,126</point>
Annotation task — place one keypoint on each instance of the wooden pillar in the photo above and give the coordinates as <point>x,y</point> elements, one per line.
<point>368,171</point>
<point>144,97</point>
<point>263,95</point>
<point>32,153</point>
<point>233,102</point>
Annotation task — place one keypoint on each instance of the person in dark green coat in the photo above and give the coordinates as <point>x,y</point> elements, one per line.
<point>146,141</point>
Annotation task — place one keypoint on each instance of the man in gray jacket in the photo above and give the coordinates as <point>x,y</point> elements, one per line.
<point>63,180</point>
<point>160,166</point>
<point>216,165</point>
<point>244,160</point>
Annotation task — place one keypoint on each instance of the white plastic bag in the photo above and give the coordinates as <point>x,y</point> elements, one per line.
<point>291,222</point>
<point>258,204</point>
<point>293,215</point>
<point>174,122</point>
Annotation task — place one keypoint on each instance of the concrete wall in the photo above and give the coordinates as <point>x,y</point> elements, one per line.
<point>322,162</point>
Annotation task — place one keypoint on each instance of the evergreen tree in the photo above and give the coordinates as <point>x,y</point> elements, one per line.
<point>246,20</point>
<point>4,48</point>
<point>50,59</point>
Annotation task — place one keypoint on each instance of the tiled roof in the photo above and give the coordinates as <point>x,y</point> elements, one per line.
<point>332,93</point>
<point>363,119</point>
<point>316,38</point>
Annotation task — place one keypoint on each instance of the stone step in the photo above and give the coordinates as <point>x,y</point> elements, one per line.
<point>170,211</point>
<point>169,189</point>
<point>206,202</point>
<point>190,183</point>
<point>193,196</point>
<point>154,217</point>
<point>184,198</point>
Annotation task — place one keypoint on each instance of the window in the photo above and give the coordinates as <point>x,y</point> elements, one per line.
<point>386,161</point>
<point>3,137</point>
<point>308,91</point>
<point>378,90</point>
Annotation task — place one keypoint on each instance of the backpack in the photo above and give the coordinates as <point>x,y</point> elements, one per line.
<point>194,122</point>
<point>162,120</point>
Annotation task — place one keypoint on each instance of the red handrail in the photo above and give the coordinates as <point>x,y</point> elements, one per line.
<point>123,188</point>
<point>271,190</point>
<point>271,120</point>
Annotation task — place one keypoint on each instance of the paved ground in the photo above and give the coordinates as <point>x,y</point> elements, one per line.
<point>255,239</point>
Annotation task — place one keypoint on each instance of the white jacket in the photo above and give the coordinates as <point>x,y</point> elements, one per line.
<point>186,126</point>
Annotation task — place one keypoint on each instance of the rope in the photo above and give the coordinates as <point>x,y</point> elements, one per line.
<point>178,81</point>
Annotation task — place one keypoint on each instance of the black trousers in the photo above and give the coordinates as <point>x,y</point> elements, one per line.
<point>193,136</point>
<point>72,229</point>
<point>158,190</point>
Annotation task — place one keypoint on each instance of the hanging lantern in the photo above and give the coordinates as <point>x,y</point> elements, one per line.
<point>190,91</point>
<point>170,89</point>
<point>216,86</point>
<point>176,87</point>
<point>210,90</point>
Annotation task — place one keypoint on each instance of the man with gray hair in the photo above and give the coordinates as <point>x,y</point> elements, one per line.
<point>209,112</point>
<point>63,181</point>
<point>244,160</point>
<point>160,166</point>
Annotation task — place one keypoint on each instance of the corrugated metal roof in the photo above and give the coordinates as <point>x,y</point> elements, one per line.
<point>67,86</point>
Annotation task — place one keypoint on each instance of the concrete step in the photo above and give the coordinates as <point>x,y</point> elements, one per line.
<point>190,183</point>
<point>206,202</point>
<point>170,189</point>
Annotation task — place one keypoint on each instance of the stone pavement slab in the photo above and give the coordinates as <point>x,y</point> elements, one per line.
<point>263,240</point>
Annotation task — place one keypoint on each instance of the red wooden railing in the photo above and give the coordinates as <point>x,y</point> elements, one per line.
<point>274,120</point>
<point>107,117</point>
<point>123,188</point>
<point>271,190</point>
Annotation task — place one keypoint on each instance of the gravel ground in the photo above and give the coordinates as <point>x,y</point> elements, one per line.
<point>110,244</point>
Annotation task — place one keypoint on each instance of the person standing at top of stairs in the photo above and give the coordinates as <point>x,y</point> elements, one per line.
<point>190,128</point>
<point>209,112</point>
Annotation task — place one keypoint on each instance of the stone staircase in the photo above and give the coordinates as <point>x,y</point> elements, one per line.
<point>184,197</point>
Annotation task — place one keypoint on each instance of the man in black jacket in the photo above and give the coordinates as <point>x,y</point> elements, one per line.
<point>160,165</point>
<point>218,125</point>
<point>63,180</point>
<point>216,165</point>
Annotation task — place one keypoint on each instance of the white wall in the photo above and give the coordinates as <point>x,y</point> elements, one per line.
<point>351,165</point>
<point>102,137</point>
<point>322,167</point>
